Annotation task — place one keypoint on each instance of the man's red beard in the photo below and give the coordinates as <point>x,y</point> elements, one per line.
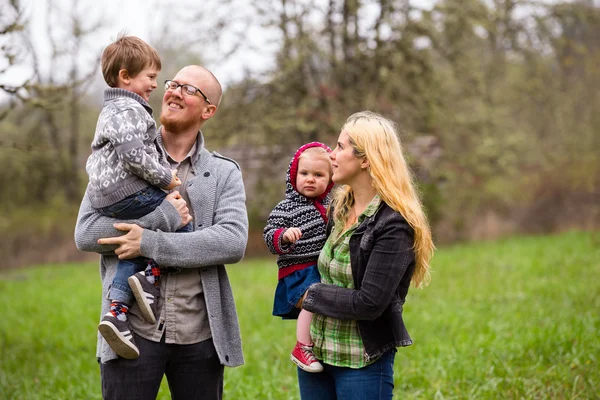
<point>176,125</point>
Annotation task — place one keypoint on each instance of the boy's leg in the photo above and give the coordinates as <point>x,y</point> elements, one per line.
<point>137,205</point>
<point>135,285</point>
<point>302,355</point>
<point>114,326</point>
<point>146,291</point>
<point>119,289</point>
<point>188,228</point>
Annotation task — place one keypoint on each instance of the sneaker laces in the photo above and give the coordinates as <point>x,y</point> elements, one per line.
<point>308,353</point>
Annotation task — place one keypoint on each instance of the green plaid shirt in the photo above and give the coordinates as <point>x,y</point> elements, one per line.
<point>338,342</point>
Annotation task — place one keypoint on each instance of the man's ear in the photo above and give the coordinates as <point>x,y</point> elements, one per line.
<point>124,77</point>
<point>209,111</point>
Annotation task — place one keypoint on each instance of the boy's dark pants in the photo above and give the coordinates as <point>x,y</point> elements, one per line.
<point>193,372</point>
<point>135,206</point>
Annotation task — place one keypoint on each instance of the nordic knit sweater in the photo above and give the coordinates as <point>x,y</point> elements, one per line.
<point>296,210</point>
<point>124,157</point>
<point>217,201</point>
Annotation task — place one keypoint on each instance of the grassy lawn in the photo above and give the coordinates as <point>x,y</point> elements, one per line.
<point>512,319</point>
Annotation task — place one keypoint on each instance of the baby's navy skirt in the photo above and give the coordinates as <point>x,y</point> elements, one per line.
<point>291,288</point>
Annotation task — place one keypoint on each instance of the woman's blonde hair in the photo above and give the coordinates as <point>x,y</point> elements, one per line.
<point>375,137</point>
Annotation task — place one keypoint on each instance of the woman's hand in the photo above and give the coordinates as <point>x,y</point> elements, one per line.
<point>128,244</point>
<point>181,207</point>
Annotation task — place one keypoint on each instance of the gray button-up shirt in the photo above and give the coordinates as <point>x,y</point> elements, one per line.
<point>181,306</point>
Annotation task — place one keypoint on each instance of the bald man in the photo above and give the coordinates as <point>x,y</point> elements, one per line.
<point>196,332</point>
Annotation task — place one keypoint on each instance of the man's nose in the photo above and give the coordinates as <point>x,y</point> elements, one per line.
<point>180,89</point>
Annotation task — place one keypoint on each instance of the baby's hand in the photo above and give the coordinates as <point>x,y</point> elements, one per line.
<point>175,181</point>
<point>292,235</point>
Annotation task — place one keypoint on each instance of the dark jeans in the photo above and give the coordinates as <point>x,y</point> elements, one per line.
<point>135,206</point>
<point>193,372</point>
<point>373,382</point>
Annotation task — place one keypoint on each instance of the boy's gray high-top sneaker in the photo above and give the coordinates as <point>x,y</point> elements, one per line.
<point>118,335</point>
<point>146,295</point>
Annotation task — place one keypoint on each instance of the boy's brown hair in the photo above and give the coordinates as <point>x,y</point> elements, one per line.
<point>130,53</point>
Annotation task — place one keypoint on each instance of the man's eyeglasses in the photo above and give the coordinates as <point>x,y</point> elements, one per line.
<point>187,90</point>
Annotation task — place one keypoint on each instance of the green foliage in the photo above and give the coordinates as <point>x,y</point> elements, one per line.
<point>507,319</point>
<point>506,91</point>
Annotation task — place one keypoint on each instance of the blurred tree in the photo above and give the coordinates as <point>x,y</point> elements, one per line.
<point>49,121</point>
<point>332,61</point>
<point>458,77</point>
<point>557,105</point>
<point>12,23</point>
<point>58,97</point>
<point>496,100</point>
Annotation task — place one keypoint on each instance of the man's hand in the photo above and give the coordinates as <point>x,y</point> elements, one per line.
<point>291,235</point>
<point>181,206</point>
<point>129,244</point>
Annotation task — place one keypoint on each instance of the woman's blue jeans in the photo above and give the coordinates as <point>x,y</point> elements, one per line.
<point>373,382</point>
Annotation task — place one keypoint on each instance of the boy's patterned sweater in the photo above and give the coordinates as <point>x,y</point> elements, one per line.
<point>125,156</point>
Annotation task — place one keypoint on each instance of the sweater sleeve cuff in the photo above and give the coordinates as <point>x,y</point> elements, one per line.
<point>149,244</point>
<point>280,247</point>
<point>309,301</point>
<point>172,217</point>
<point>166,180</point>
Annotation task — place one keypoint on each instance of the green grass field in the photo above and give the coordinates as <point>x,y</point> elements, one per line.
<point>512,319</point>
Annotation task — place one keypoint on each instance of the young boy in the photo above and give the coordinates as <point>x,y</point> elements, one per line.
<point>128,176</point>
<point>296,232</point>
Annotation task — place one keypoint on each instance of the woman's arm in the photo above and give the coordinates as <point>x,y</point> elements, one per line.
<point>388,262</point>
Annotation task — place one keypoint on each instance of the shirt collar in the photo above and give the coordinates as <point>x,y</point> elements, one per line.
<point>371,208</point>
<point>193,154</point>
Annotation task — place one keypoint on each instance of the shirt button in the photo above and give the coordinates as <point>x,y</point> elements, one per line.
<point>206,174</point>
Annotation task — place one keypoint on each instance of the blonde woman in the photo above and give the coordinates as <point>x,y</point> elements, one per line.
<point>379,243</point>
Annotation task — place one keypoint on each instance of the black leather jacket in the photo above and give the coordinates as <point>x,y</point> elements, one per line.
<point>382,261</point>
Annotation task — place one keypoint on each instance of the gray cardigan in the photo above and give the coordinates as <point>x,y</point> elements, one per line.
<point>217,198</point>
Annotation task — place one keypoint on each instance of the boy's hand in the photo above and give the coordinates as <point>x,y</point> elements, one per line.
<point>291,235</point>
<point>175,181</point>
<point>179,203</point>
